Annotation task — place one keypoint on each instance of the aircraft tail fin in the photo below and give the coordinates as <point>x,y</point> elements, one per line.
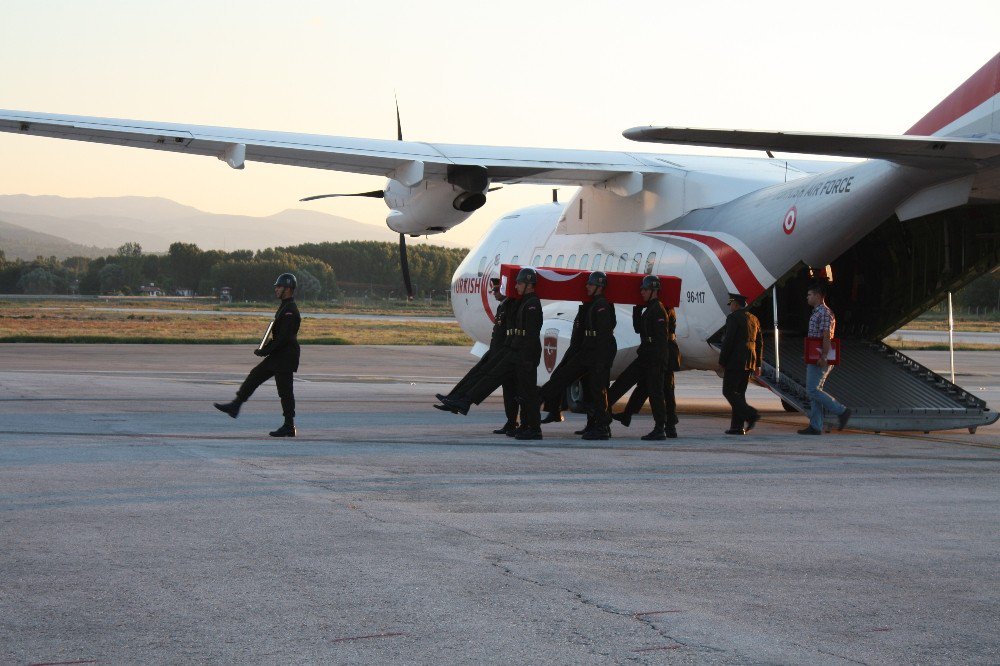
<point>971,110</point>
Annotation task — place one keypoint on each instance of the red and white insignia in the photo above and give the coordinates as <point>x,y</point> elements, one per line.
<point>550,348</point>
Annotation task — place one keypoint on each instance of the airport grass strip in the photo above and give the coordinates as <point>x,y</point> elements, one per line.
<point>83,326</point>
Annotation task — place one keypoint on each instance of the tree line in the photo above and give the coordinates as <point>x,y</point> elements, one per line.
<point>324,270</point>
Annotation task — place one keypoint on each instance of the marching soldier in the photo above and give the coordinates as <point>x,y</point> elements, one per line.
<point>523,351</point>
<point>281,359</point>
<point>591,352</point>
<point>505,312</point>
<point>652,372</point>
<point>740,357</point>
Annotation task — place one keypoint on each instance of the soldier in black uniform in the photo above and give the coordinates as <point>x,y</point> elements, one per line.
<point>592,350</point>
<point>519,361</point>
<point>652,372</point>
<point>505,311</point>
<point>281,359</point>
<point>740,357</point>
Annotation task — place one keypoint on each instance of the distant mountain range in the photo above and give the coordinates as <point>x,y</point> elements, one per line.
<point>20,243</point>
<point>51,225</point>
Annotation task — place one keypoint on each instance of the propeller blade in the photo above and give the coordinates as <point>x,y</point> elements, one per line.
<point>405,266</point>
<point>374,194</point>
<point>494,189</point>
<point>399,123</point>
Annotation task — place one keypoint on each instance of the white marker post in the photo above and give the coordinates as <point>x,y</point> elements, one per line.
<point>951,337</point>
<point>777,354</point>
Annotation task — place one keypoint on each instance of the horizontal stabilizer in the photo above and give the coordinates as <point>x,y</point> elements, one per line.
<point>911,150</point>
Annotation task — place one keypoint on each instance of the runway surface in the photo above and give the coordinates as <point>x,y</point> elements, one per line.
<point>140,525</point>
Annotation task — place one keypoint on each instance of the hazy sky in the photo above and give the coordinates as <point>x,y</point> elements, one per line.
<point>559,74</point>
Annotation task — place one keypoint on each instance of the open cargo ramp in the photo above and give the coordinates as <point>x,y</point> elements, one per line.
<point>885,389</point>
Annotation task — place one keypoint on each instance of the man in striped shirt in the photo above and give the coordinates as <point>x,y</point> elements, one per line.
<point>822,324</point>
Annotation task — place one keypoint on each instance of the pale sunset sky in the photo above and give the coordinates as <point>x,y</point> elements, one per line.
<point>550,74</point>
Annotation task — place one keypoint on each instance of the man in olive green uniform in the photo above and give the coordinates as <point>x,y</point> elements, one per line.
<point>652,372</point>
<point>281,359</point>
<point>519,361</point>
<point>740,357</point>
<point>590,354</point>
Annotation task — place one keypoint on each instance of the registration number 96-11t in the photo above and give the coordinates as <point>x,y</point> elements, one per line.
<point>695,297</point>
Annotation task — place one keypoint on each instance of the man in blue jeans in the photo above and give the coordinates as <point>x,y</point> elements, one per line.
<point>822,324</point>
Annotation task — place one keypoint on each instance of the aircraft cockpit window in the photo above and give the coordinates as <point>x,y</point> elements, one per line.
<point>548,260</point>
<point>650,263</point>
<point>622,262</point>
<point>559,260</point>
<point>572,261</point>
<point>482,265</point>
<point>597,262</point>
<point>583,261</point>
<point>636,262</point>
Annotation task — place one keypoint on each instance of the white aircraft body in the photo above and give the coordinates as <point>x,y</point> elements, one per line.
<point>721,224</point>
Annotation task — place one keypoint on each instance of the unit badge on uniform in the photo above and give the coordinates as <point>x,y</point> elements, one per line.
<point>550,348</point>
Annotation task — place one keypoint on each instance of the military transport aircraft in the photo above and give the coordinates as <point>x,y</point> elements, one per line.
<point>918,218</point>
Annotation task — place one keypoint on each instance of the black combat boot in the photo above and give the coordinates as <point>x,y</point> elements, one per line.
<point>509,429</point>
<point>286,430</point>
<point>587,428</point>
<point>529,433</point>
<point>456,405</point>
<point>598,432</point>
<point>554,416</point>
<point>231,408</point>
<point>622,417</point>
<point>670,431</point>
<point>656,434</point>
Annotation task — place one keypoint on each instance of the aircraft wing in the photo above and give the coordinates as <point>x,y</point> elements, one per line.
<point>355,155</point>
<point>910,150</point>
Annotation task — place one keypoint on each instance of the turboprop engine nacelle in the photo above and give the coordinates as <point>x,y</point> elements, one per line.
<point>434,206</point>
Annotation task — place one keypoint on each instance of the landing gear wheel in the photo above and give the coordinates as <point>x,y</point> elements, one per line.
<point>972,430</point>
<point>574,398</point>
<point>788,407</point>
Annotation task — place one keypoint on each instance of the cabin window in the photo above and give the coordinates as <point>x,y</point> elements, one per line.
<point>597,262</point>
<point>537,261</point>
<point>548,260</point>
<point>559,260</point>
<point>609,263</point>
<point>482,265</point>
<point>572,261</point>
<point>650,263</point>
<point>622,262</point>
<point>636,262</point>
<point>513,260</point>
<point>583,261</point>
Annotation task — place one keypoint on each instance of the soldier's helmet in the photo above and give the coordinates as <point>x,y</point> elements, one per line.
<point>598,279</point>
<point>650,282</point>
<point>527,276</point>
<point>286,280</point>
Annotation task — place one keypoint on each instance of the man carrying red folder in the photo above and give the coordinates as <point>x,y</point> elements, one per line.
<point>822,325</point>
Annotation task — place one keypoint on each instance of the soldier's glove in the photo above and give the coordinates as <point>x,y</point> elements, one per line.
<point>259,352</point>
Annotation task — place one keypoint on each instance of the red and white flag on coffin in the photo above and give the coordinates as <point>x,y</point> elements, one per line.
<point>568,284</point>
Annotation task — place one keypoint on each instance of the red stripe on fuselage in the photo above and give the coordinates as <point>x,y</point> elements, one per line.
<point>979,87</point>
<point>739,272</point>
<point>484,289</point>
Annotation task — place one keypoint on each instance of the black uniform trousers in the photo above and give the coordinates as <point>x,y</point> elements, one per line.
<point>652,381</point>
<point>477,372</point>
<point>511,367</point>
<point>734,388</point>
<point>283,380</point>
<point>595,373</point>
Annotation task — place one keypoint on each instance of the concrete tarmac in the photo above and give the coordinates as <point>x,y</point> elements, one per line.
<point>140,525</point>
